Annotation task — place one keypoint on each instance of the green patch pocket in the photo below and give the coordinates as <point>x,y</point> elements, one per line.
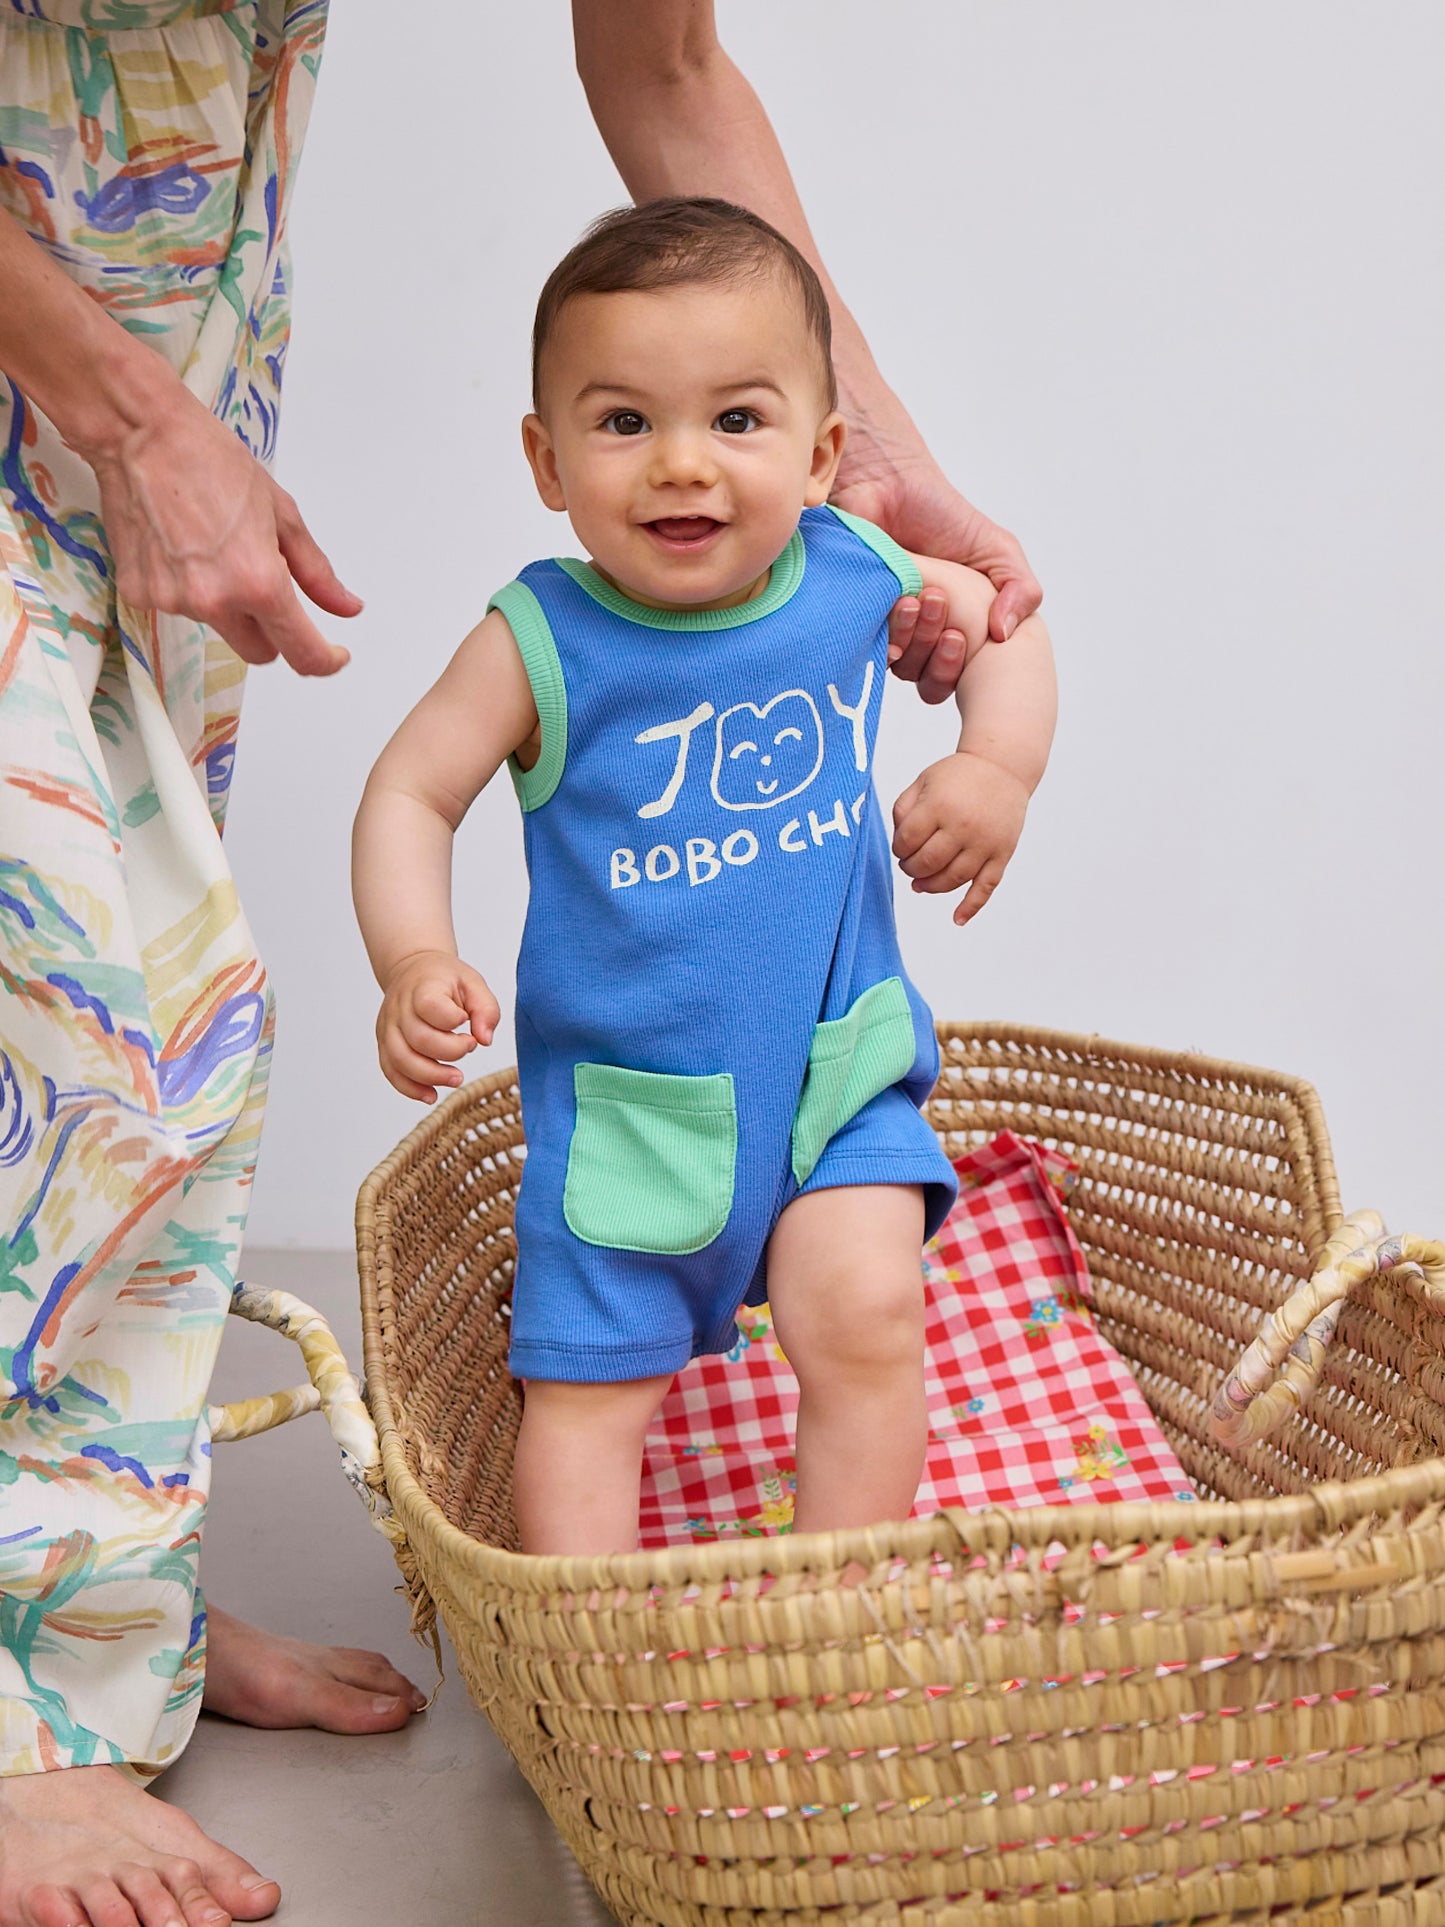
<point>851,1060</point>
<point>653,1159</point>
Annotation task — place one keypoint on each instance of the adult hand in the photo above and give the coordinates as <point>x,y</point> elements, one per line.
<point>198,528</point>
<point>910,497</point>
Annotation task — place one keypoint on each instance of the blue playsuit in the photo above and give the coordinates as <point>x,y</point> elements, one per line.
<point>712,1012</point>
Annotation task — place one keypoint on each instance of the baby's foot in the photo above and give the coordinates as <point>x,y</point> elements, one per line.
<point>85,1847</point>
<point>266,1679</point>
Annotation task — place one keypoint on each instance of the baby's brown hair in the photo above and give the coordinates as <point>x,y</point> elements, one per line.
<point>674,243</point>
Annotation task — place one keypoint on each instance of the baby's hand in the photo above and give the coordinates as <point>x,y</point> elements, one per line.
<point>427,997</point>
<point>959,823</point>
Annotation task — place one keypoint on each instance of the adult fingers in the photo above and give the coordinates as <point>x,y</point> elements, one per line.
<point>914,627</point>
<point>979,892</point>
<point>902,621</point>
<point>1019,593</point>
<point>243,635</point>
<point>286,625</point>
<point>939,676</point>
<point>308,562</point>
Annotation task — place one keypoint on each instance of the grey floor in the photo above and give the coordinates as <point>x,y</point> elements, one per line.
<point>433,1825</point>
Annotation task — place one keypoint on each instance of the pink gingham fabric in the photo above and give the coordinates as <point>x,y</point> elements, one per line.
<point>1027,1404</point>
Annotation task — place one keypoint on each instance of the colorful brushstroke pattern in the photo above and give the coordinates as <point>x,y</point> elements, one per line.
<point>151,148</point>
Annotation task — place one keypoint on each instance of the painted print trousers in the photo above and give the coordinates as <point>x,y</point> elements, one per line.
<point>151,147</point>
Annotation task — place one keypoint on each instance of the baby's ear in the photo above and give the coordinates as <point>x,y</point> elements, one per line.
<point>542,458</point>
<point>827,453</point>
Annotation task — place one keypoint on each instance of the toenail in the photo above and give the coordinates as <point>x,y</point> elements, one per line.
<point>215,1913</point>
<point>382,1705</point>
<point>254,1880</point>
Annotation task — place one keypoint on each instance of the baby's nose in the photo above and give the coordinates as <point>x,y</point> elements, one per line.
<point>683,457</point>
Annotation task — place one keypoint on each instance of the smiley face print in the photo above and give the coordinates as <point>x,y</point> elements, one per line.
<point>765,755</point>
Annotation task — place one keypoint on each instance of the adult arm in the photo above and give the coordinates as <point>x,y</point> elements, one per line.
<point>195,525</point>
<point>679,118</point>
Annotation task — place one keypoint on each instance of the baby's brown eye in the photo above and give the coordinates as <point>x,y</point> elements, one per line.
<point>735,421</point>
<point>626,422</point>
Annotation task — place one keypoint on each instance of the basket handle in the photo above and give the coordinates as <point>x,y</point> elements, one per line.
<point>330,1389</point>
<point>1283,1364</point>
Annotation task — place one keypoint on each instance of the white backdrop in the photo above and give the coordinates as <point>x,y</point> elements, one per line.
<point>1165,287</point>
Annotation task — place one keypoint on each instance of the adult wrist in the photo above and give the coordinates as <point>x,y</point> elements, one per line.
<point>883,438</point>
<point>872,409</point>
<point>123,387</point>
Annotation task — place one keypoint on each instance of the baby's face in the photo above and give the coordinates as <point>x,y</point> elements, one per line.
<point>684,430</point>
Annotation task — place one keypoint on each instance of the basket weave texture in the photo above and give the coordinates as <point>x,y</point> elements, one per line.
<point>1101,1714</point>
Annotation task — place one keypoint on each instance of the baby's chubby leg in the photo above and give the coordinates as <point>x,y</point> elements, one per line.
<point>577,1478</point>
<point>845,1283</point>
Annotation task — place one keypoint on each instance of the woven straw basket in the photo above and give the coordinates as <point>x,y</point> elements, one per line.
<point>1063,1715</point>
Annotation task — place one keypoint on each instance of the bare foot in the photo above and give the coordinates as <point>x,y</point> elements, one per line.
<point>85,1847</point>
<point>265,1679</point>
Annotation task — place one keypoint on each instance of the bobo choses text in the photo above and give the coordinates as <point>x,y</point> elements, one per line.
<point>789,739</point>
<point>713,1016</point>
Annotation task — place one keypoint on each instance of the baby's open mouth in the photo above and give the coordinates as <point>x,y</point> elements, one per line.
<point>684,531</point>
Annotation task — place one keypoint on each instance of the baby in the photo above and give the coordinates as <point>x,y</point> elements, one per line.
<point>721,1056</point>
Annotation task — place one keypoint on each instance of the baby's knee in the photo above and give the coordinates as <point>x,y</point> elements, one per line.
<point>867,1323</point>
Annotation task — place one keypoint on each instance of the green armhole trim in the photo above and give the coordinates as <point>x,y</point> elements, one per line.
<point>852,1059</point>
<point>653,1159</point>
<point>783,583</point>
<point>910,582</point>
<point>544,671</point>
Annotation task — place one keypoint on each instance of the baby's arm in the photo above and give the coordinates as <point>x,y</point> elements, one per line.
<point>478,713</point>
<point>960,822</point>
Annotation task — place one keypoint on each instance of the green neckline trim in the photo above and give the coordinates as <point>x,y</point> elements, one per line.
<point>782,587</point>
<point>910,582</point>
<point>538,651</point>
